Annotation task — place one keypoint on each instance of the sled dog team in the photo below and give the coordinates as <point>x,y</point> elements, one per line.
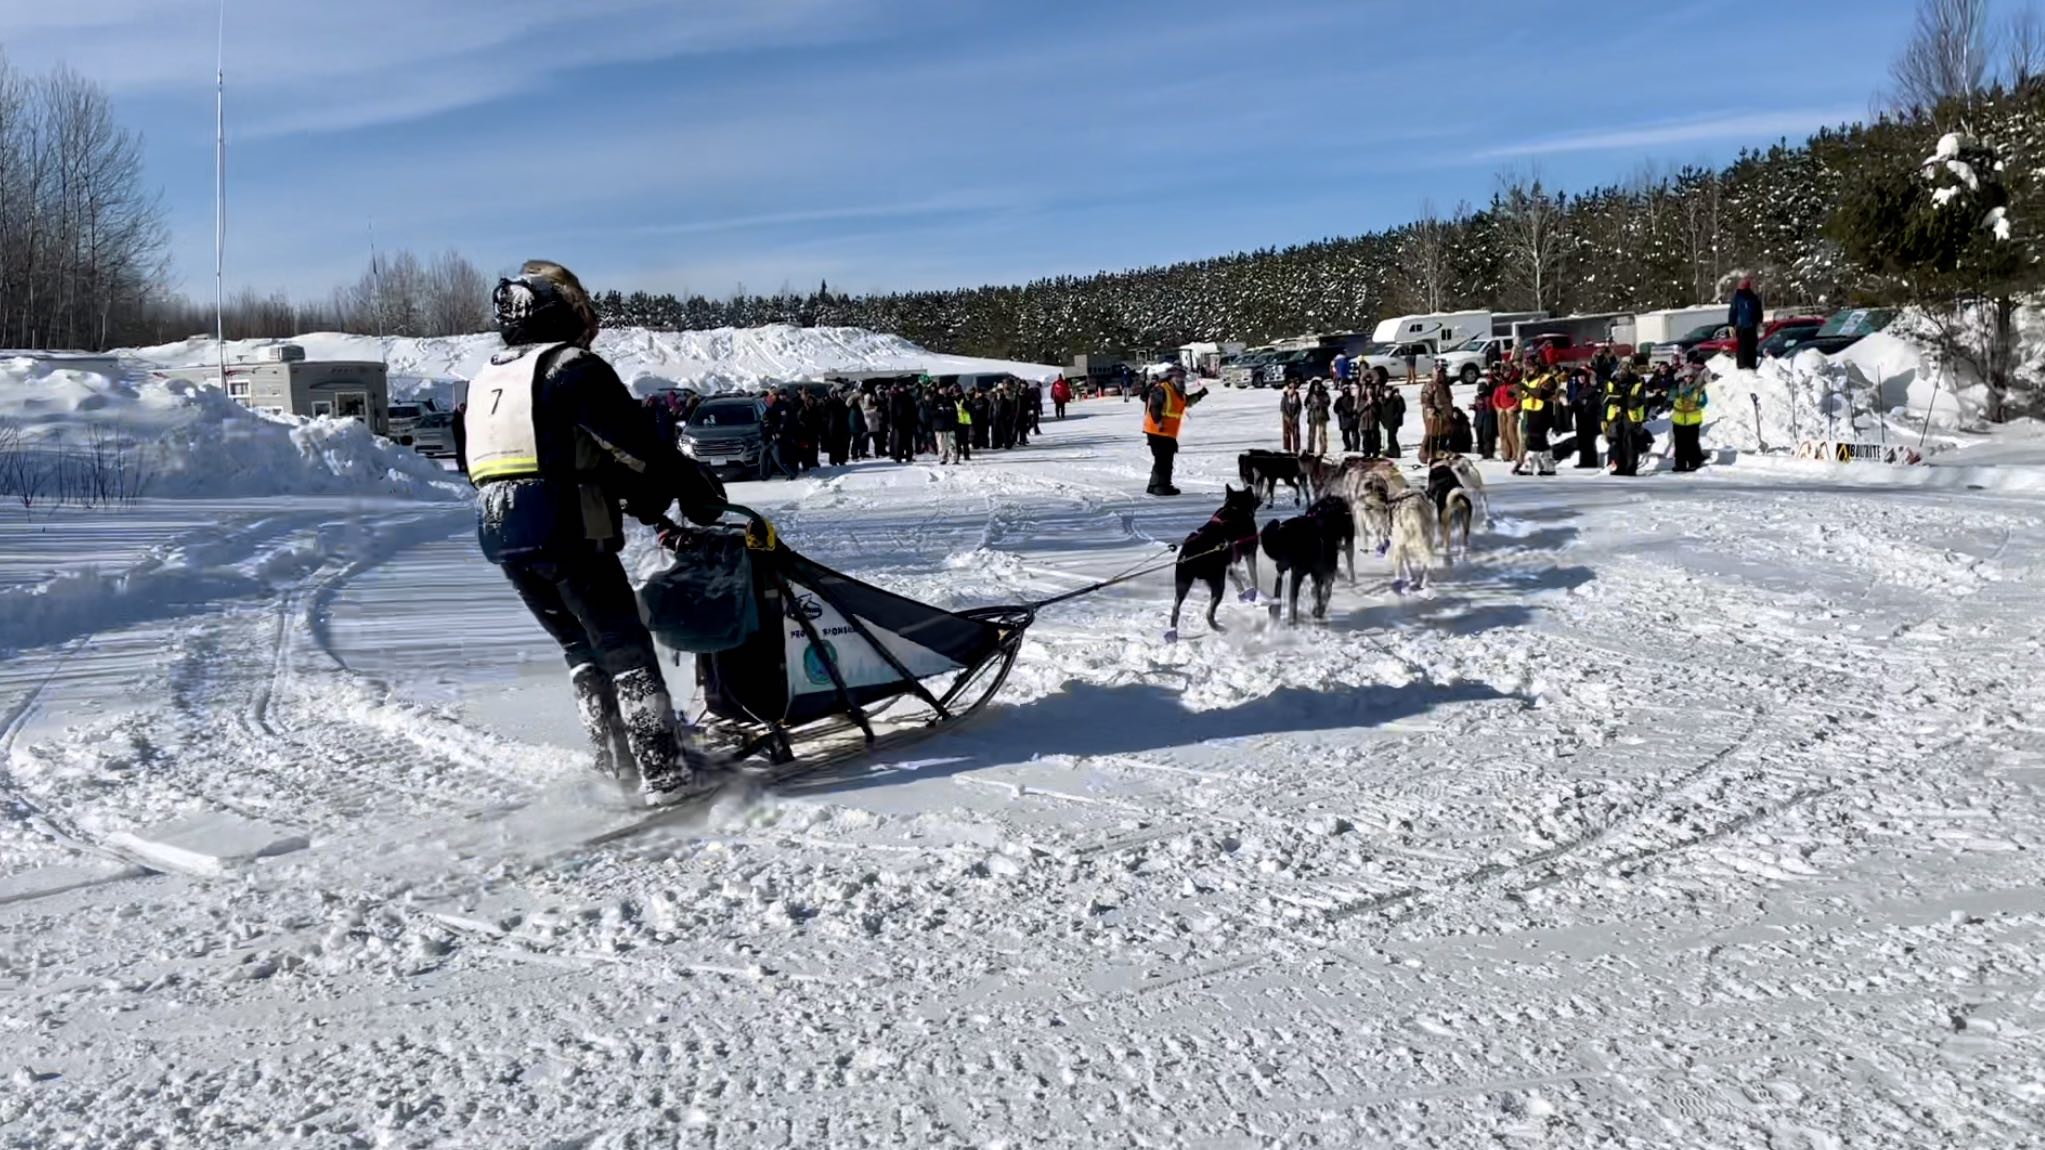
<point>1347,500</point>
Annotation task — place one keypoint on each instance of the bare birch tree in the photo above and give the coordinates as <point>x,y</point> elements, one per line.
<point>1531,226</point>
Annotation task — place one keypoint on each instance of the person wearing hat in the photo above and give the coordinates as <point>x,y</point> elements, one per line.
<point>1164,411</point>
<point>558,452</point>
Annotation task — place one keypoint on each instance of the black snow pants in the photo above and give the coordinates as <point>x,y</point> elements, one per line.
<point>585,602</point>
<point>1747,344</point>
<point>1163,450</point>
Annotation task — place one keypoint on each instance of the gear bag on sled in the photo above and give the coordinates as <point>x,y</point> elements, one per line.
<point>788,650</point>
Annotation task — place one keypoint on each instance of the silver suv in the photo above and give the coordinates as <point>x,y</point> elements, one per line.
<point>723,434</point>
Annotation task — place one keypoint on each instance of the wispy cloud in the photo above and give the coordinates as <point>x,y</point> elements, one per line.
<point>1754,126</point>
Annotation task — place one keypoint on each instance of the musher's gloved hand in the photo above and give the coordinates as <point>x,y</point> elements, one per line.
<point>648,507</point>
<point>701,496</point>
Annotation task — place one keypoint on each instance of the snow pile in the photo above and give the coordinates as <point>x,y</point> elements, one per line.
<point>724,359</point>
<point>1845,396</point>
<point>181,440</point>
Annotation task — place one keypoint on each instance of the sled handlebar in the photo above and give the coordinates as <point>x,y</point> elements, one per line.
<point>760,533</point>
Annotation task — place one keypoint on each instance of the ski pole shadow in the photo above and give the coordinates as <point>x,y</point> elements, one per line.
<point>1131,719</point>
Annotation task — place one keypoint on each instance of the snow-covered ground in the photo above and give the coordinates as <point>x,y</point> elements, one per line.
<point>1698,810</point>
<point>723,359</point>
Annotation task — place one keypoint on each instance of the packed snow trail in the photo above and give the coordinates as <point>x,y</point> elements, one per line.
<point>1694,811</point>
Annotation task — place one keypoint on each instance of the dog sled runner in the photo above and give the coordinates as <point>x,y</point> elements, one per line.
<point>799,666</point>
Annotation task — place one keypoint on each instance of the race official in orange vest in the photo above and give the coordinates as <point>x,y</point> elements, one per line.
<point>1164,409</point>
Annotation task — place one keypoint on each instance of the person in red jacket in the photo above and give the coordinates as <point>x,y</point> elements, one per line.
<point>1061,394</point>
<point>1505,400</point>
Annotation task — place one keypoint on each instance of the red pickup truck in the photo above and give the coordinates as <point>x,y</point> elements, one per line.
<point>1729,343</point>
<point>1556,347</point>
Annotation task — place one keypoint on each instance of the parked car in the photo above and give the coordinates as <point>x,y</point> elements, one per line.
<point>404,416</point>
<point>1242,371</point>
<point>724,435</point>
<point>1728,342</point>
<point>1678,348</point>
<point>1468,360</point>
<point>1789,339</point>
<point>1297,366</point>
<point>433,434</point>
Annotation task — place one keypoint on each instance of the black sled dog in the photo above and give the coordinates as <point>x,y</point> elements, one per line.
<point>1212,552</point>
<point>1311,546</point>
<point>1262,471</point>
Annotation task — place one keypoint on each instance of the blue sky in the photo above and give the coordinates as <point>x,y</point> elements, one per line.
<point>699,144</point>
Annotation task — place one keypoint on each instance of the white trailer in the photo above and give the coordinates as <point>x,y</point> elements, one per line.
<point>1652,327</point>
<point>1441,329</point>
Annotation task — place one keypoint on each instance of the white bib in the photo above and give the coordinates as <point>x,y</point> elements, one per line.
<point>502,443</point>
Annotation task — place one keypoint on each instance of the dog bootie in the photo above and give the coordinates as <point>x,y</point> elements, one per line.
<point>1172,635</point>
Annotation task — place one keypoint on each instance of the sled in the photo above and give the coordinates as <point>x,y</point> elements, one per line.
<point>798,665</point>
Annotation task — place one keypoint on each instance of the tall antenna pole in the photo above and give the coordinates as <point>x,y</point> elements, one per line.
<point>376,290</point>
<point>220,195</point>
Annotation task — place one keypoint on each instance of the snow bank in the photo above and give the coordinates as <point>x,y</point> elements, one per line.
<point>724,359</point>
<point>194,442</point>
<point>1882,379</point>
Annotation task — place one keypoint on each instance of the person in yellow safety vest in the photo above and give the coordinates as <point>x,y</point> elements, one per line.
<point>1687,400</point>
<point>1164,409</point>
<point>1625,412</point>
<point>1537,419</point>
<point>958,444</point>
<point>556,444</point>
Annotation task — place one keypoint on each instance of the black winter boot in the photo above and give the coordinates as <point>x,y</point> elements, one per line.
<point>597,702</point>
<point>671,764</point>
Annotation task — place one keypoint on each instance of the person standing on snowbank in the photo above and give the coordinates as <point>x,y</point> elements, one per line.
<point>555,447</point>
<point>1164,409</point>
<point>1745,316</point>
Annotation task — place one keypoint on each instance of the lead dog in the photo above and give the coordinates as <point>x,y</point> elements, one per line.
<point>1454,506</point>
<point>1211,553</point>
<point>1356,484</point>
<point>1262,471</point>
<point>1409,521</point>
<point>1311,546</point>
<point>1470,480</point>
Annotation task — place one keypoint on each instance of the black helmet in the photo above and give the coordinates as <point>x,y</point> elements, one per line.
<point>544,303</point>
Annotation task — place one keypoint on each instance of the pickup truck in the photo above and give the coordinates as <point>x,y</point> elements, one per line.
<point>1387,362</point>
<point>1568,349</point>
<point>1726,343</point>
<point>1468,360</point>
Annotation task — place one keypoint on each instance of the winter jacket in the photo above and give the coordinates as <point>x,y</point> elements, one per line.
<point>1061,392</point>
<point>1318,407</point>
<point>598,455</point>
<point>1345,411</point>
<point>1391,409</point>
<point>1289,406</point>
<point>1746,309</point>
<point>1435,397</point>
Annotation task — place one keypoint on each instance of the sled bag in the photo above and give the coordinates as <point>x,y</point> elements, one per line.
<point>702,601</point>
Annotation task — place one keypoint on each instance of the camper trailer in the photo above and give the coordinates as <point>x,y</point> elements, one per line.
<point>283,382</point>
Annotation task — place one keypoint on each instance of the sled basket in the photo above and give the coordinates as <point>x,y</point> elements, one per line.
<point>702,602</point>
<point>829,653</point>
